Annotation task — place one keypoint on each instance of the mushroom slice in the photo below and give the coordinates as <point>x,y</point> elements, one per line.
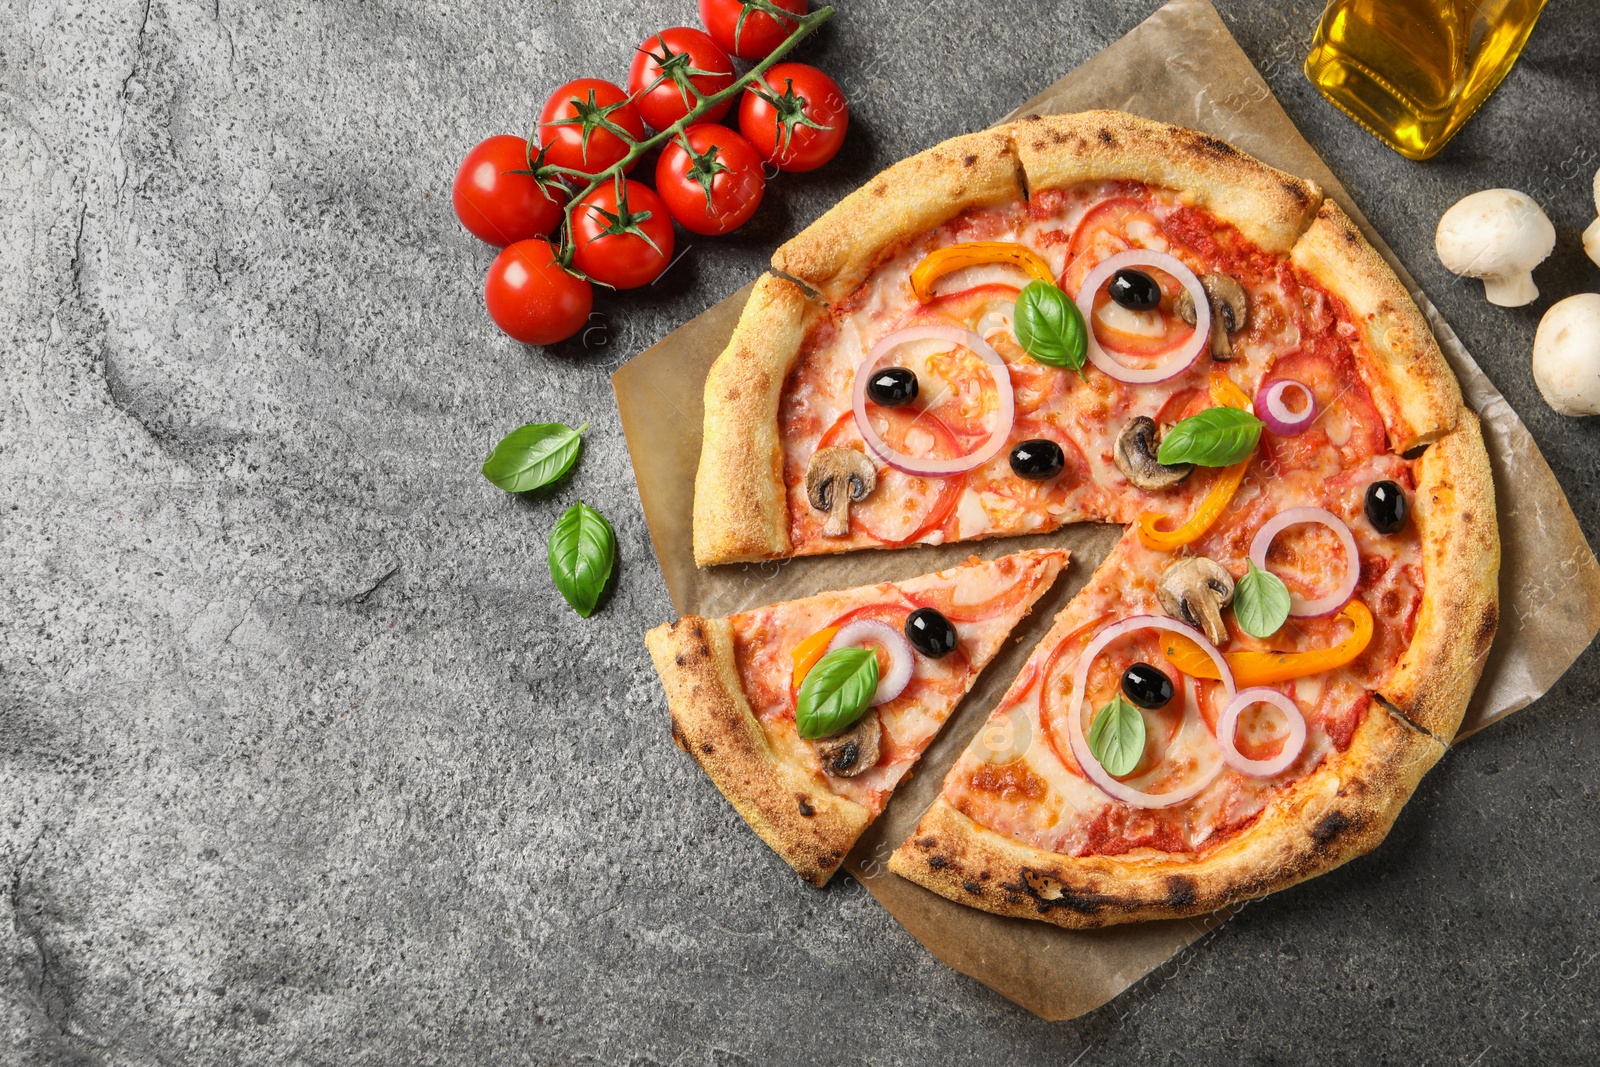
<point>835,477</point>
<point>1195,590</point>
<point>1135,453</point>
<point>853,752</point>
<point>1230,309</point>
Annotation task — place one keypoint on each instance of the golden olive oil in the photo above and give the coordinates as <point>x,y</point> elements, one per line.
<point>1412,71</point>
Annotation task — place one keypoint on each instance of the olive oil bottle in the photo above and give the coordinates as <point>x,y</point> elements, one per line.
<point>1412,71</point>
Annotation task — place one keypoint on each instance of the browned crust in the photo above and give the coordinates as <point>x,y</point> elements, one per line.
<point>808,825</point>
<point>1338,812</point>
<point>1413,386</point>
<point>1268,206</point>
<point>1454,510</point>
<point>836,253</point>
<point>741,507</point>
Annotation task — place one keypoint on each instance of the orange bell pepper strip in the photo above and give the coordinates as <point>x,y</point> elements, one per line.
<point>808,652</point>
<point>1265,668</point>
<point>942,261</point>
<point>1223,394</point>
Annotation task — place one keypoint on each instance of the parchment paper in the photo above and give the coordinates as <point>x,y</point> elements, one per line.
<point>1181,65</point>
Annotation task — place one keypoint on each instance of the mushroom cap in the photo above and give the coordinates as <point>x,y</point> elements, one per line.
<point>1566,355</point>
<point>1494,232</point>
<point>1135,454</point>
<point>831,465</point>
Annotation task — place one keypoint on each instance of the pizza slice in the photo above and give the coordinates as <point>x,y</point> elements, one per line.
<point>807,714</point>
<point>1136,770</point>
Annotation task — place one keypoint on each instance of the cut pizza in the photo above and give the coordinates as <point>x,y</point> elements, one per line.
<point>1095,317</point>
<point>807,714</point>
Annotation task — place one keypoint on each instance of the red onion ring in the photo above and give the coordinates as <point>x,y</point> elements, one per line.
<point>1182,356</point>
<point>1228,723</point>
<point>1271,409</point>
<point>865,632</point>
<point>1299,606</point>
<point>928,467</point>
<point>1080,744</point>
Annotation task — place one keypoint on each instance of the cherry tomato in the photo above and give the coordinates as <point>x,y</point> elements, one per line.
<point>532,298</point>
<point>582,107</point>
<point>496,204</point>
<point>623,245</point>
<point>710,178</point>
<point>759,35</point>
<point>795,115</point>
<point>657,79</point>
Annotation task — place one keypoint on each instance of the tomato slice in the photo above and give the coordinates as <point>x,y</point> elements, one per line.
<point>1173,330</point>
<point>1347,423</point>
<point>905,506</point>
<point>1109,227</point>
<point>996,476</point>
<point>967,599</point>
<point>981,309</point>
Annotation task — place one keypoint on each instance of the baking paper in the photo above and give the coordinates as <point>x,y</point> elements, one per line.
<point>1183,66</point>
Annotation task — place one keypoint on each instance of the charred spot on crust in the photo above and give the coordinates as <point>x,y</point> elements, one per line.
<point>1105,137</point>
<point>805,808</point>
<point>928,842</point>
<point>705,746</point>
<point>1487,626</point>
<point>678,659</point>
<point>937,863</point>
<point>1212,144</point>
<point>1058,137</point>
<point>1048,891</point>
<point>972,887</point>
<point>1297,192</point>
<point>1331,826</point>
<point>971,161</point>
<point>1181,891</point>
<point>880,190</point>
<point>678,738</point>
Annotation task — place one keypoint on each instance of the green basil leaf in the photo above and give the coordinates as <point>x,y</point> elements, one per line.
<point>531,456</point>
<point>1216,437</point>
<point>1116,736</point>
<point>1260,602</point>
<point>582,549</point>
<point>836,692</point>
<point>1050,327</point>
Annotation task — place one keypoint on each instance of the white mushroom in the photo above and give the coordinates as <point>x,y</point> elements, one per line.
<point>834,478</point>
<point>1591,236</point>
<point>853,751</point>
<point>1135,453</point>
<point>1498,235</point>
<point>1566,355</point>
<point>1195,590</point>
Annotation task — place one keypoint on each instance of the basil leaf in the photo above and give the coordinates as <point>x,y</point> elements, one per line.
<point>1216,437</point>
<point>531,456</point>
<point>582,549</point>
<point>1260,602</point>
<point>1050,327</point>
<point>1116,736</point>
<point>836,692</point>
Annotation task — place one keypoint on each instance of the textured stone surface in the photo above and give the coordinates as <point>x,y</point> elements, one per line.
<point>303,760</point>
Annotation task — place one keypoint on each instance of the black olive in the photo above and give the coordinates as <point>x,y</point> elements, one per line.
<point>892,387</point>
<point>1146,686</point>
<point>1387,507</point>
<point>1135,290</point>
<point>930,633</point>
<point>1037,460</point>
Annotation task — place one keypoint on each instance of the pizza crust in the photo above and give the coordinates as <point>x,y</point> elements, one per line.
<point>1340,811</point>
<point>1454,509</point>
<point>1412,385</point>
<point>741,506</point>
<point>807,824</point>
<point>1268,206</point>
<point>835,254</point>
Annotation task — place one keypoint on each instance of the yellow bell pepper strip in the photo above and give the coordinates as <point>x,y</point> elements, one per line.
<point>942,261</point>
<point>1223,394</point>
<point>1265,668</point>
<point>808,652</point>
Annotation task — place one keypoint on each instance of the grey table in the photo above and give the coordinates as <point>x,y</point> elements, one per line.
<point>305,762</point>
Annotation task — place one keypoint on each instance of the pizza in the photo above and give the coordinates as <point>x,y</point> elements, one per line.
<point>1097,318</point>
<point>738,691</point>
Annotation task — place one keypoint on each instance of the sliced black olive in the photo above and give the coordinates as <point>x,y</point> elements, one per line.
<point>892,387</point>
<point>1135,290</point>
<point>930,633</point>
<point>1038,459</point>
<point>1387,507</point>
<point>1146,686</point>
